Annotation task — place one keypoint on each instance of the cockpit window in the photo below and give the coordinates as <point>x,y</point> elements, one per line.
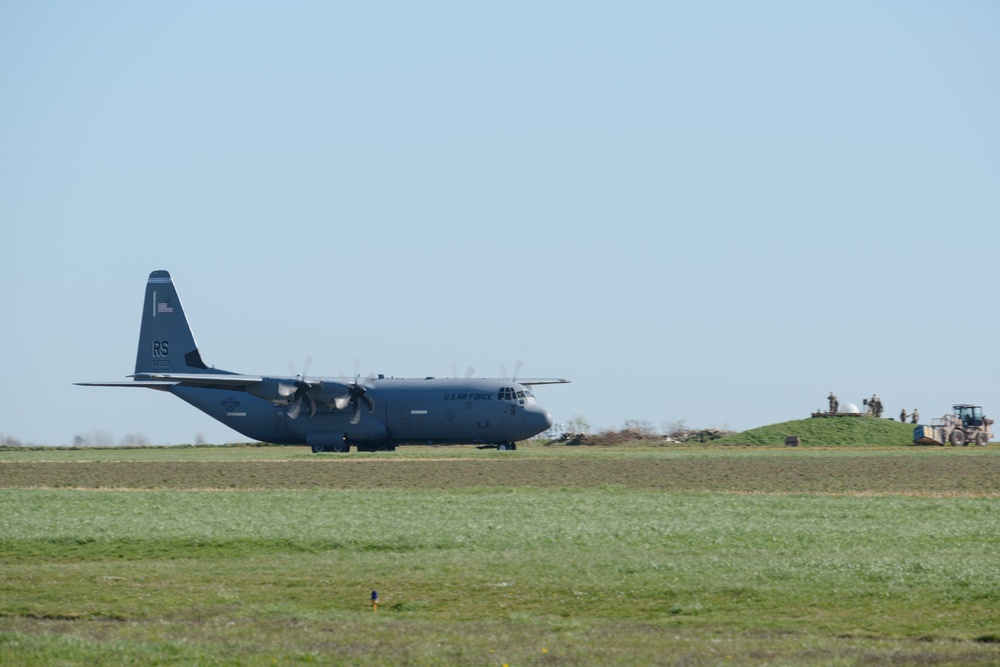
<point>511,394</point>
<point>520,396</point>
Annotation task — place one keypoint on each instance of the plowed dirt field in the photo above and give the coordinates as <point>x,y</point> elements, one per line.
<point>868,473</point>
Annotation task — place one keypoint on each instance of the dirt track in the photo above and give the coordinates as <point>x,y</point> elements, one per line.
<point>918,475</point>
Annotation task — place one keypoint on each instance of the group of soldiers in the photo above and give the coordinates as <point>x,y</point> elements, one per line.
<point>874,408</point>
<point>874,405</point>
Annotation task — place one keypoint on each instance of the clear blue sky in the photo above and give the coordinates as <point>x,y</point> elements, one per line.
<point>709,211</point>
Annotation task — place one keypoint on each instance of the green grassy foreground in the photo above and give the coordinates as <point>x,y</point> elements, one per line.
<point>519,574</point>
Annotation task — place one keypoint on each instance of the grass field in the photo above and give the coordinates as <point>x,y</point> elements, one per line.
<point>544,556</point>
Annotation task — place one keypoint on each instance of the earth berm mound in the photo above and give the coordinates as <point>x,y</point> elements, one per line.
<point>827,432</point>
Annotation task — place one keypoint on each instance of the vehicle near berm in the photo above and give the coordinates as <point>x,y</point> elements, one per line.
<point>966,424</point>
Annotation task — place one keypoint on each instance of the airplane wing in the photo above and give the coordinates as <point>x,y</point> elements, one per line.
<point>532,381</point>
<point>156,384</point>
<point>258,385</point>
<point>279,390</point>
<point>164,381</point>
<point>230,380</point>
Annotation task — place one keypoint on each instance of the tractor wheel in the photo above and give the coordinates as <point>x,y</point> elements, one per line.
<point>982,439</point>
<point>957,438</point>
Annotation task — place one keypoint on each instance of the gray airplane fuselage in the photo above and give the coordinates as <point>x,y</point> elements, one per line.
<point>428,411</point>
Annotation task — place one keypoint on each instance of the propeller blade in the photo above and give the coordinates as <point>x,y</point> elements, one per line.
<point>295,408</point>
<point>370,401</point>
<point>357,413</point>
<point>517,371</point>
<point>468,371</point>
<point>298,390</point>
<point>341,402</point>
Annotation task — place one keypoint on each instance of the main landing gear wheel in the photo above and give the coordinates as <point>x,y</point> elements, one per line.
<point>338,447</point>
<point>506,446</point>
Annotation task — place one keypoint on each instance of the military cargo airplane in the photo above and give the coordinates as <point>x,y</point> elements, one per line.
<point>328,414</point>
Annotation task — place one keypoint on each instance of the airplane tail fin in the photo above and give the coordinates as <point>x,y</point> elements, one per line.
<point>166,344</point>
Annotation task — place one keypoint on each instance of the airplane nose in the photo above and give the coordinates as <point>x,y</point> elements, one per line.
<point>536,421</point>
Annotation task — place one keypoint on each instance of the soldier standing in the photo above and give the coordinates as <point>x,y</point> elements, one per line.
<point>915,417</point>
<point>902,416</point>
<point>834,404</point>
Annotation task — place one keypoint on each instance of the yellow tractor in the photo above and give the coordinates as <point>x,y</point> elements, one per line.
<point>965,425</point>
